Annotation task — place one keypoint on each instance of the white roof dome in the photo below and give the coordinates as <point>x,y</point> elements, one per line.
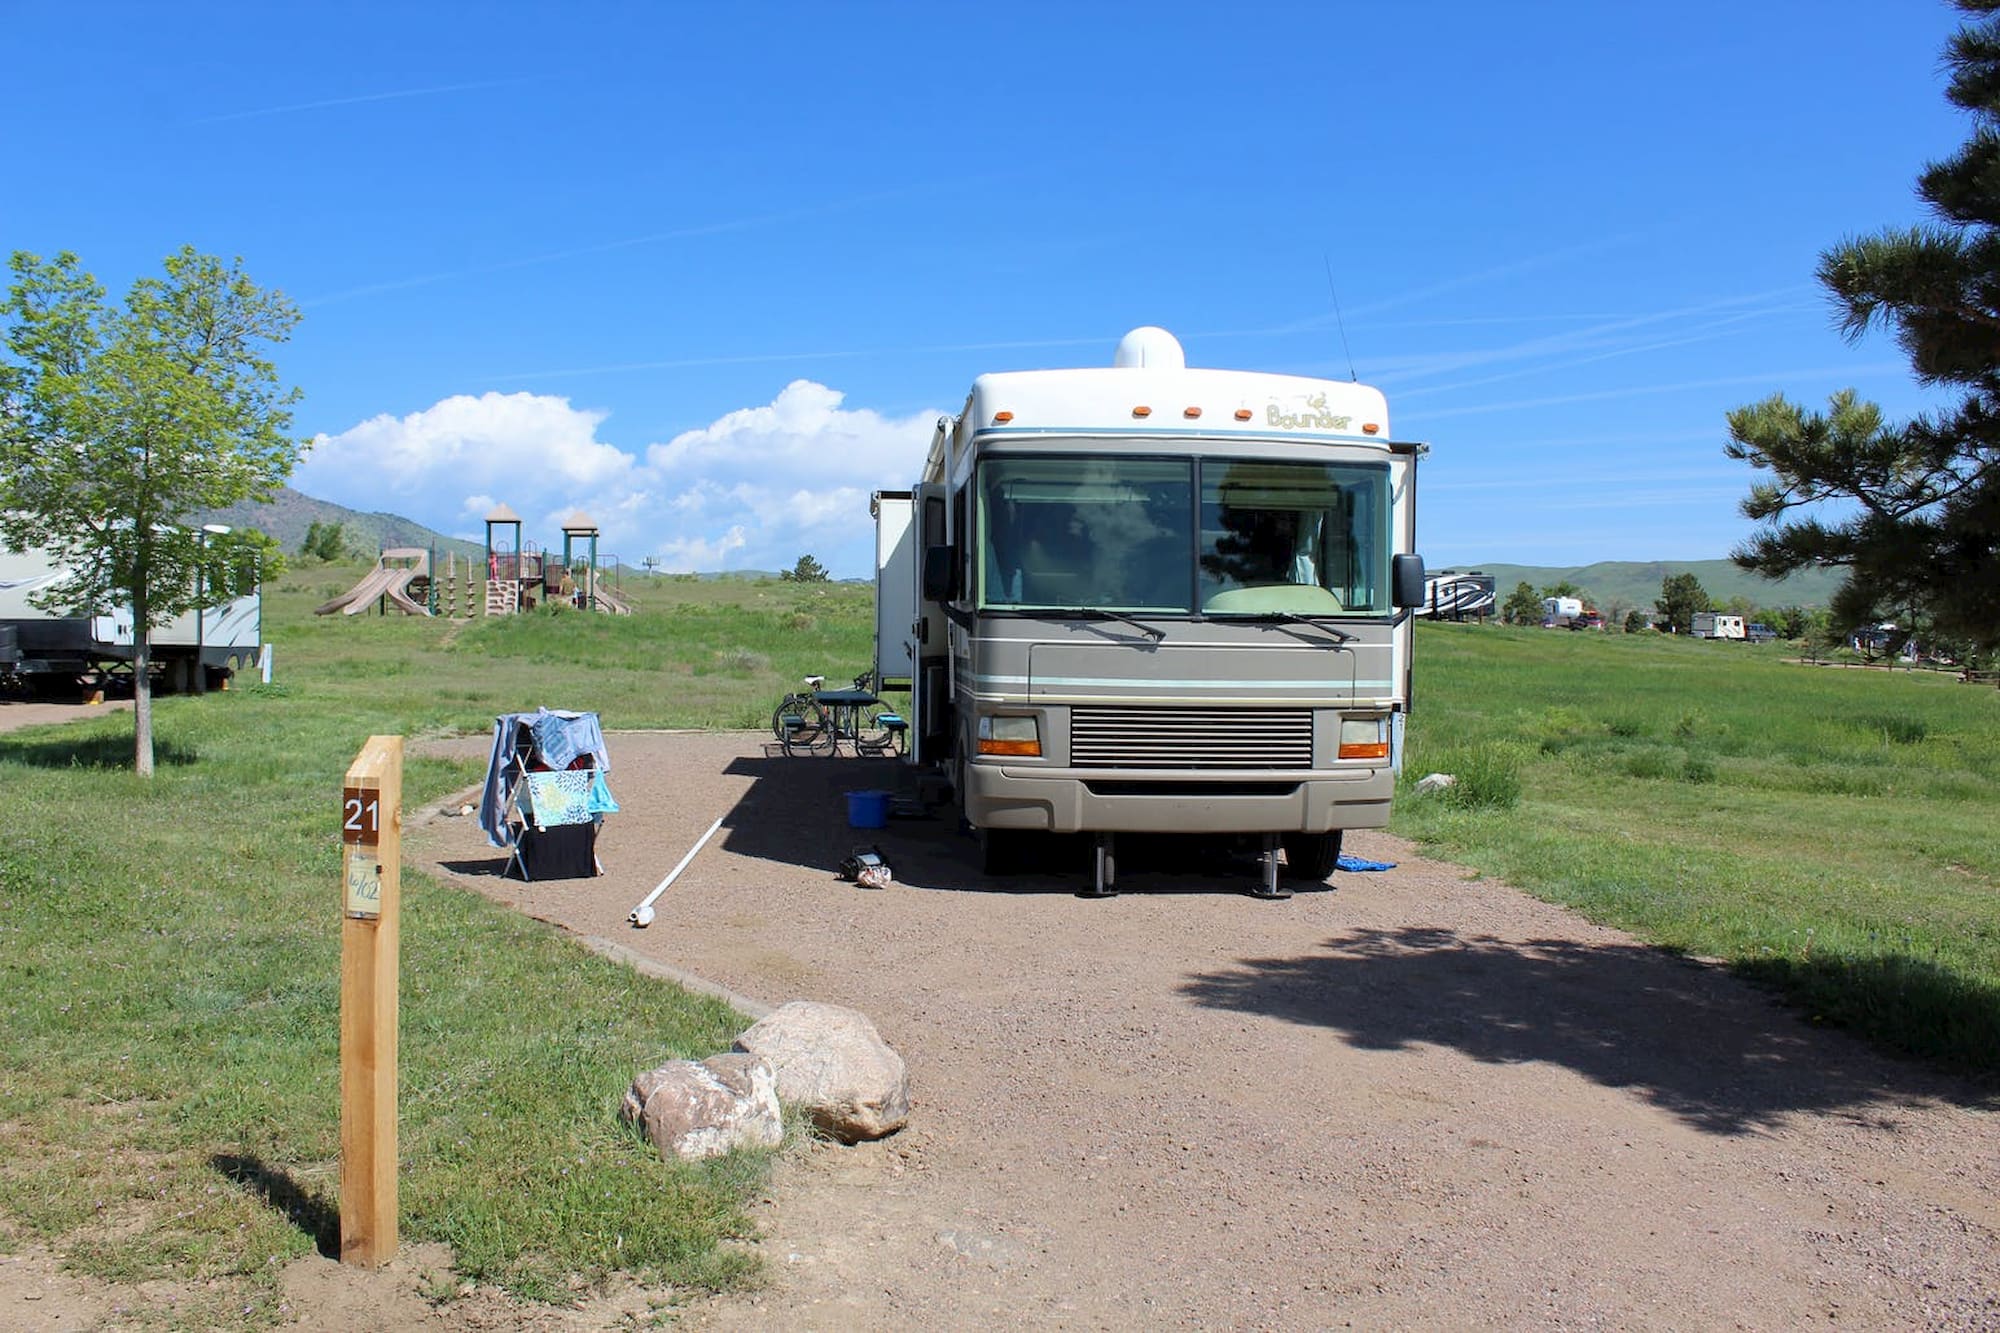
<point>1153,348</point>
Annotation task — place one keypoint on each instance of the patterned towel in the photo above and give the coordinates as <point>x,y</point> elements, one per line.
<point>1347,862</point>
<point>558,798</point>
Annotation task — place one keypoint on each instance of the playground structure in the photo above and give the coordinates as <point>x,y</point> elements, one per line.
<point>517,574</point>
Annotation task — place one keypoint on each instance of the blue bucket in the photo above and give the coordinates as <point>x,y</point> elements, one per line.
<point>868,809</point>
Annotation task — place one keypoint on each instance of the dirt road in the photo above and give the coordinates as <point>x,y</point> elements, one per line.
<point>1413,1097</point>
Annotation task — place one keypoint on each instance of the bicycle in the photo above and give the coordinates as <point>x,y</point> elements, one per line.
<point>818,720</point>
<point>801,721</point>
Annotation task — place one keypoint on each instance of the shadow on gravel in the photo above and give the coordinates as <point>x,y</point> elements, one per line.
<point>795,813</point>
<point>1686,1036</point>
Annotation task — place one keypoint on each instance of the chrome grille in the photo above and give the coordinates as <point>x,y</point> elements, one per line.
<point>1190,738</point>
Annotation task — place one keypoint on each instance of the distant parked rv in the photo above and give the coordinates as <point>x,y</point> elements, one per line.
<point>1454,596</point>
<point>1711,625</point>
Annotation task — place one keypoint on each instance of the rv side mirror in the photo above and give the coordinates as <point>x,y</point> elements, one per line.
<point>1406,580</point>
<point>940,573</point>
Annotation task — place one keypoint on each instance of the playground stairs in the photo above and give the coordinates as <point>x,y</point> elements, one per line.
<point>502,596</point>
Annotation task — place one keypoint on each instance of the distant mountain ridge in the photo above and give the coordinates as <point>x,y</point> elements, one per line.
<point>1636,583</point>
<point>289,513</point>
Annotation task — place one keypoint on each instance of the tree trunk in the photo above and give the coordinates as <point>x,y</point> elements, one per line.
<point>142,686</point>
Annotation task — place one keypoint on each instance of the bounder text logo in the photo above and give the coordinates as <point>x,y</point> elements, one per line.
<point>1315,417</point>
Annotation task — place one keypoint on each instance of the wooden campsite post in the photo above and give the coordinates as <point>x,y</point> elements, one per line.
<point>371,835</point>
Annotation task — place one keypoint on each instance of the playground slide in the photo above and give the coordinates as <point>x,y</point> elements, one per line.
<point>385,580</point>
<point>606,599</point>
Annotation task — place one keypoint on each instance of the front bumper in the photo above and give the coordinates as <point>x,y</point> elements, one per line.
<point>1124,801</point>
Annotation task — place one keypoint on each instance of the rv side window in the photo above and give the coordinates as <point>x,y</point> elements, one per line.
<point>964,546</point>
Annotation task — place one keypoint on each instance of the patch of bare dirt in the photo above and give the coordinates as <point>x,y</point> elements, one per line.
<point>17,713</point>
<point>1409,1097</point>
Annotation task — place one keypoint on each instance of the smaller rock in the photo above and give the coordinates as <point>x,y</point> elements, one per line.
<point>1436,781</point>
<point>691,1109</point>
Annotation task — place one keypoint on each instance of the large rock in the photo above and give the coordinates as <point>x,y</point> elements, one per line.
<point>704,1108</point>
<point>831,1062</point>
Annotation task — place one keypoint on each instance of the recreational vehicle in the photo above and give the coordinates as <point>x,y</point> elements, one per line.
<point>1455,596</point>
<point>1712,625</point>
<point>45,647</point>
<point>1150,599</point>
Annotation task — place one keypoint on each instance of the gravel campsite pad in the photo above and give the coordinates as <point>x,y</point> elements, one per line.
<point>1408,1097</point>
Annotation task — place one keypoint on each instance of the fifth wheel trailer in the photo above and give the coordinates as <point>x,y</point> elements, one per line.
<point>79,643</point>
<point>1152,598</point>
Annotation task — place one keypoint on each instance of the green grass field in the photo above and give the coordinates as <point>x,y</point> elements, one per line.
<point>1829,831</point>
<point>169,961</point>
<point>169,950</point>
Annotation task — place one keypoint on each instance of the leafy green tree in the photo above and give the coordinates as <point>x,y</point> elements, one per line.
<point>1522,607</point>
<point>1635,621</point>
<point>120,424</point>
<point>1564,588</point>
<point>241,559</point>
<point>1910,511</point>
<point>324,541</point>
<point>1681,595</point>
<point>1789,621</point>
<point>807,570</point>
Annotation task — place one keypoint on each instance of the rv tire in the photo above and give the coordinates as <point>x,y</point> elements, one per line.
<point>1002,851</point>
<point>1311,856</point>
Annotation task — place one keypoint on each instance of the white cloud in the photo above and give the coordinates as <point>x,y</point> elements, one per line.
<point>793,476</point>
<point>487,444</point>
<point>756,488</point>
<point>687,555</point>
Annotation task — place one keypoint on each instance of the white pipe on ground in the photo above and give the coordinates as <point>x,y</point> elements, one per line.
<point>642,915</point>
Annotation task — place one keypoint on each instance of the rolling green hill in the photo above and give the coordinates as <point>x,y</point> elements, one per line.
<point>1633,583</point>
<point>287,516</point>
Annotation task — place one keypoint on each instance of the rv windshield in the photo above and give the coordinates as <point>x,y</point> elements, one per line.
<point>1120,534</point>
<point>1304,538</point>
<point>1098,533</point>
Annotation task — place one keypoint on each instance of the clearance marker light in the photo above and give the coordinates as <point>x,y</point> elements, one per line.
<point>1370,428</point>
<point>1242,414</point>
<point>1190,412</point>
<point>1142,411</point>
<point>1002,418</point>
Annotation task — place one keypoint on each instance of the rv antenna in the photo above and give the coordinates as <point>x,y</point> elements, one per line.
<point>1338,321</point>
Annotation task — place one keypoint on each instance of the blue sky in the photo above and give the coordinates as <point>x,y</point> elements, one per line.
<point>710,272</point>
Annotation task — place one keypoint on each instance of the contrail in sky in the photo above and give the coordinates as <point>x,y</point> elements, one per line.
<point>622,243</point>
<point>368,97</point>
<point>1730,382</point>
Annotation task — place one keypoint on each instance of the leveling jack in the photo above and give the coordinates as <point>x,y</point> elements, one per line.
<point>1106,859</point>
<point>1267,862</point>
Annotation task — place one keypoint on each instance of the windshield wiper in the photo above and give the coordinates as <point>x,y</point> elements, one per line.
<point>1092,613</point>
<point>1286,618</point>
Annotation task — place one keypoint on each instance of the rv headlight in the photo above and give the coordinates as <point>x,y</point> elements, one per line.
<point>1364,738</point>
<point>1000,734</point>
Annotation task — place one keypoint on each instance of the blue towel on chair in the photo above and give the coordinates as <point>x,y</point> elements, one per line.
<point>1347,862</point>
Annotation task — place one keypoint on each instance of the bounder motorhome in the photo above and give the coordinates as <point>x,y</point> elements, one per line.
<point>1156,599</point>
